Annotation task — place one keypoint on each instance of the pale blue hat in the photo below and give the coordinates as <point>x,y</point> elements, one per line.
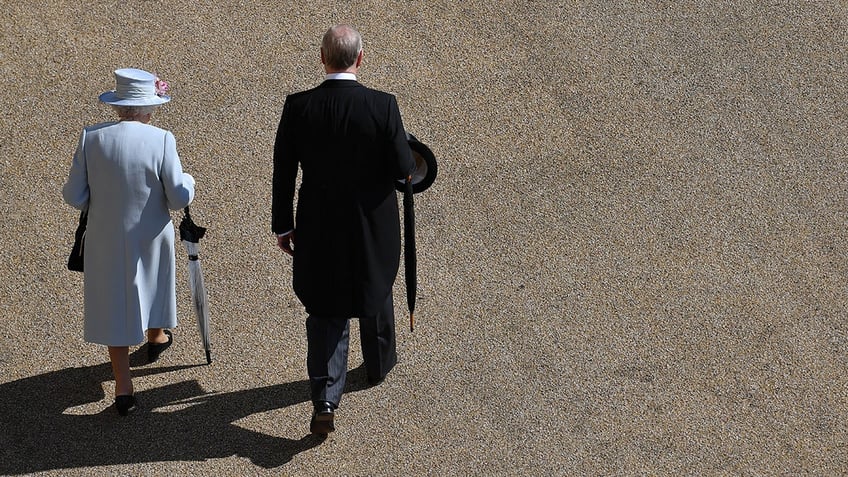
<point>134,87</point>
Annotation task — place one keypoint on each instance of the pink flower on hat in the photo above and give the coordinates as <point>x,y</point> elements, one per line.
<point>162,87</point>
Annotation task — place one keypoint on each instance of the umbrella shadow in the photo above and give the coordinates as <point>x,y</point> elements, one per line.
<point>177,422</point>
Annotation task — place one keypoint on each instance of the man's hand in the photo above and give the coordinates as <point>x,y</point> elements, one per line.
<point>286,242</point>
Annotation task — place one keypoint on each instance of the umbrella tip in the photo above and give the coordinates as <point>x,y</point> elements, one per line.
<point>411,322</point>
<point>208,357</point>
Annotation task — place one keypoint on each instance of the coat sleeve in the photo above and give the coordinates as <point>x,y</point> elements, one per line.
<point>75,191</point>
<point>403,165</point>
<point>285,175</point>
<point>179,186</point>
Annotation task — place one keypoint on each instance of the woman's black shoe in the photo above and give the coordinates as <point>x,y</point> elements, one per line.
<point>125,404</point>
<point>155,349</point>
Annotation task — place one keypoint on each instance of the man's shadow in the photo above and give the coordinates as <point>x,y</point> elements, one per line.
<point>37,434</point>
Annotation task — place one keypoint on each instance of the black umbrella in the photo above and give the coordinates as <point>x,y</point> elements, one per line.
<point>190,234</point>
<point>426,168</point>
<point>410,261</point>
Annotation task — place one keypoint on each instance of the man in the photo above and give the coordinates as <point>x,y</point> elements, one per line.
<point>351,147</point>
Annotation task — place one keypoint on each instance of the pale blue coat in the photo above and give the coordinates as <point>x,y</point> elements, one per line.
<point>128,174</point>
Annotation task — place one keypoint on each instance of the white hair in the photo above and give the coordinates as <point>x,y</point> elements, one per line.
<point>133,111</point>
<point>341,45</point>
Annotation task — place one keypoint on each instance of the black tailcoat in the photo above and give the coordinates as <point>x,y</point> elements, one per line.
<point>351,146</point>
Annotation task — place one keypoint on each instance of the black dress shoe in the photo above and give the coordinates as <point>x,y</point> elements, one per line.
<point>322,418</point>
<point>125,404</point>
<point>155,349</point>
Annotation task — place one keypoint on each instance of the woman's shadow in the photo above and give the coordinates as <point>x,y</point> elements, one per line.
<point>38,434</point>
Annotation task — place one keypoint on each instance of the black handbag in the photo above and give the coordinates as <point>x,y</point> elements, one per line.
<point>75,259</point>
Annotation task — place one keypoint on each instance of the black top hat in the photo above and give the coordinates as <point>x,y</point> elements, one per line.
<point>425,166</point>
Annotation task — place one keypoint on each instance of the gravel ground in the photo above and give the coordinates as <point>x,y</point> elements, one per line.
<point>632,262</point>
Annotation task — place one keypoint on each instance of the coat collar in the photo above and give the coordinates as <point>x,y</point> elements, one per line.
<point>339,83</point>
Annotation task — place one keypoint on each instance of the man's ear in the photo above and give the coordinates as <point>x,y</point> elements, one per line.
<point>359,58</point>
<point>322,56</point>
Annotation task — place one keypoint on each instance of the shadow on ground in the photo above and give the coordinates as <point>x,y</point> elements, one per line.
<point>177,422</point>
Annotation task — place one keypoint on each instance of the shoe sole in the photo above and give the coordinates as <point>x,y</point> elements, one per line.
<point>322,424</point>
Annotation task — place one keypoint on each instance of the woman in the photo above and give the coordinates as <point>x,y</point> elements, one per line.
<point>127,174</point>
